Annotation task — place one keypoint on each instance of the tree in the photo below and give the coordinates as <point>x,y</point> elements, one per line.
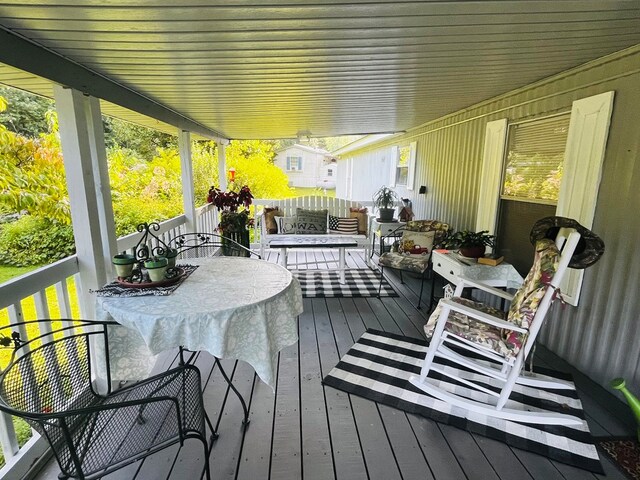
<point>142,141</point>
<point>26,112</point>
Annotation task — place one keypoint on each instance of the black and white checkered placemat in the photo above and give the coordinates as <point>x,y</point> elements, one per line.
<point>379,365</point>
<point>358,283</point>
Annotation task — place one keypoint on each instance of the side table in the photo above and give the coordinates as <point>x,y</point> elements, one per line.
<point>449,265</point>
<point>379,230</point>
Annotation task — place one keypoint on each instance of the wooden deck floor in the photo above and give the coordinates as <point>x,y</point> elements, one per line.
<point>308,431</point>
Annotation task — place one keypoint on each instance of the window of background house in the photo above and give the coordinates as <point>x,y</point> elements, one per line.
<point>330,172</point>
<point>294,163</point>
<point>531,183</point>
<point>402,167</point>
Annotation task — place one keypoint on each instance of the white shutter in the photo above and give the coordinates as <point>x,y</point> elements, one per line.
<point>586,143</point>
<point>412,166</point>
<point>394,165</point>
<point>494,142</point>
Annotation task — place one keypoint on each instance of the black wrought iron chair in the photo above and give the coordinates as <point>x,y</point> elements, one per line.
<point>197,245</point>
<point>415,242</point>
<point>48,383</point>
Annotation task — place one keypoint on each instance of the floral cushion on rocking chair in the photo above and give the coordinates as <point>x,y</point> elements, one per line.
<point>523,308</point>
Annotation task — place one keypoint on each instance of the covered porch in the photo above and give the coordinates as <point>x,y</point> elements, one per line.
<point>434,74</point>
<point>310,431</point>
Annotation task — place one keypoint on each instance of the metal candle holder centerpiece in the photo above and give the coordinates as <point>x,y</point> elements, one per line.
<point>150,249</point>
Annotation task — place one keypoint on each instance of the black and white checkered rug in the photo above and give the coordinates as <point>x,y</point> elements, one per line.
<point>358,283</point>
<point>379,365</point>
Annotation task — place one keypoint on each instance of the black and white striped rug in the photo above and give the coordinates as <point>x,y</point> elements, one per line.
<point>379,365</point>
<point>358,283</point>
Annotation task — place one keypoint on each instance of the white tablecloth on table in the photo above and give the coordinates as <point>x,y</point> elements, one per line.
<point>237,308</point>
<point>504,271</point>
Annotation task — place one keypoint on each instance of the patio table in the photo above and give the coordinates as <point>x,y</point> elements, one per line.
<point>236,308</point>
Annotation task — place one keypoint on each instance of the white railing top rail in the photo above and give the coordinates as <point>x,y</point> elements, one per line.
<point>30,283</point>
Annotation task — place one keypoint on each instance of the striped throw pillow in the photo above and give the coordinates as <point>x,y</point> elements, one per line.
<point>343,226</point>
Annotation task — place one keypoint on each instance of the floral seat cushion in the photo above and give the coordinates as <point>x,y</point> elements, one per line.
<point>523,308</point>
<point>475,331</point>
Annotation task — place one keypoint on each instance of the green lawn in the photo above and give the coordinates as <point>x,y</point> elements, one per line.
<point>7,272</point>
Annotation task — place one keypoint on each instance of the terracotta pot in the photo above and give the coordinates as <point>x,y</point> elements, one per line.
<point>474,251</point>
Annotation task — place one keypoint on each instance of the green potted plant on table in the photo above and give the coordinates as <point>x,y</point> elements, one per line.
<point>385,200</point>
<point>156,268</point>
<point>470,244</point>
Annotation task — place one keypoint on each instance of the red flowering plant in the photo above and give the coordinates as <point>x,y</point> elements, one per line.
<point>232,220</point>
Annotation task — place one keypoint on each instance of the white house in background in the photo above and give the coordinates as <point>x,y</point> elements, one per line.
<point>392,165</point>
<point>307,166</point>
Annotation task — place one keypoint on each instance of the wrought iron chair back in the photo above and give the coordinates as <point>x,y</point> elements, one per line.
<point>48,383</point>
<point>197,245</point>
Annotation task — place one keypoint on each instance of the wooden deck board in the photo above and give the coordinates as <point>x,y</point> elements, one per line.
<point>310,431</point>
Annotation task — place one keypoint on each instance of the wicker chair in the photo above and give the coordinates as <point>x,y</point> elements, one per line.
<point>416,263</point>
<point>48,383</point>
<point>197,245</point>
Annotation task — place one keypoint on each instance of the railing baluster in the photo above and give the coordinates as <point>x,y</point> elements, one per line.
<point>62,294</point>
<point>8,438</point>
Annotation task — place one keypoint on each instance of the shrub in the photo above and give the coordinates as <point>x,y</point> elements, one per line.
<point>35,241</point>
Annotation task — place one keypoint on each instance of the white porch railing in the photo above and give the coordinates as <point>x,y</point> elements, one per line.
<point>53,290</point>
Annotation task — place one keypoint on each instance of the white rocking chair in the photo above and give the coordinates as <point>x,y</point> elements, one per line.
<point>495,349</point>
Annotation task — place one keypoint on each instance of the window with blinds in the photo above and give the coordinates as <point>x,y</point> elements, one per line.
<point>402,167</point>
<point>535,154</point>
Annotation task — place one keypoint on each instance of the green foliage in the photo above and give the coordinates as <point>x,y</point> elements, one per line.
<point>529,176</point>
<point>144,171</point>
<point>141,142</point>
<point>466,238</point>
<point>34,241</point>
<point>385,197</point>
<point>25,114</point>
<point>144,191</point>
<point>32,177</point>
<point>253,161</point>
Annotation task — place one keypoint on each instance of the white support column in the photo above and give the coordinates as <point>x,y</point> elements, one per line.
<point>222,164</point>
<point>100,168</point>
<point>186,168</point>
<point>77,141</point>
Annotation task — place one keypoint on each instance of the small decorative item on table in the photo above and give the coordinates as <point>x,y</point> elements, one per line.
<point>124,264</point>
<point>233,224</point>
<point>149,266</point>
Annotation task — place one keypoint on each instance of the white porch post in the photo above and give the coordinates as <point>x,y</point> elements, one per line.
<point>222,164</point>
<point>186,169</point>
<point>102,185</point>
<point>82,142</point>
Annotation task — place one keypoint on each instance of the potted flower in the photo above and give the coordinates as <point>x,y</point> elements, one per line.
<point>233,224</point>
<point>470,244</point>
<point>385,199</point>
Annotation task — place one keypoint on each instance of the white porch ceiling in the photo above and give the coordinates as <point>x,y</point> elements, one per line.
<point>273,68</point>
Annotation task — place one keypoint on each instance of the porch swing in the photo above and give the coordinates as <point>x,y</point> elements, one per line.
<point>483,352</point>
